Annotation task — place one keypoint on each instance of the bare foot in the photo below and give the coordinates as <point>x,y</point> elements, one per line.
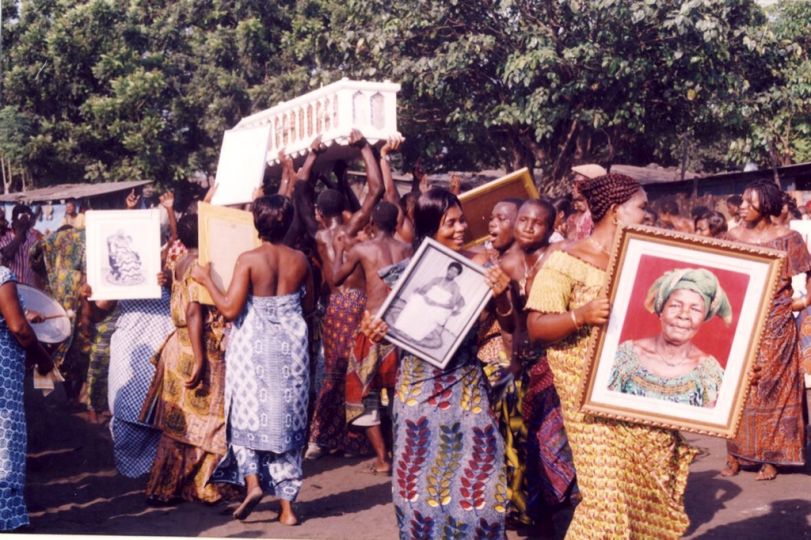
<point>733,467</point>
<point>287,516</point>
<point>252,498</point>
<point>380,467</point>
<point>767,472</point>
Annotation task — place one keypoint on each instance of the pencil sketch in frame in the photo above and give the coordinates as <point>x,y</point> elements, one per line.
<point>481,200</point>
<point>242,164</point>
<point>435,302</point>
<point>705,296</point>
<point>123,253</point>
<point>224,234</point>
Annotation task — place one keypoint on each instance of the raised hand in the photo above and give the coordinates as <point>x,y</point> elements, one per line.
<point>132,200</point>
<point>210,193</point>
<point>356,138</point>
<point>317,146</point>
<point>392,145</point>
<point>167,200</point>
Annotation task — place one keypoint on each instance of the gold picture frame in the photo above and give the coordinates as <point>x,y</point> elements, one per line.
<point>710,397</point>
<point>223,235</point>
<point>481,200</point>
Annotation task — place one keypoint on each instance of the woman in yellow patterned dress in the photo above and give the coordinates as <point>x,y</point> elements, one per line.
<point>186,397</point>
<point>631,477</point>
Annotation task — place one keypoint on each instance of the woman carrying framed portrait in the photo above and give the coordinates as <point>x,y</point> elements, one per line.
<point>631,477</point>
<point>448,456</point>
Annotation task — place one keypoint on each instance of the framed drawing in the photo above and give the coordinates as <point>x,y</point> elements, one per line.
<point>224,234</point>
<point>123,253</point>
<point>686,320</point>
<point>242,165</point>
<point>481,200</point>
<point>426,311</point>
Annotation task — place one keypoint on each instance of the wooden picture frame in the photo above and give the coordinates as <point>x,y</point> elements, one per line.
<point>418,322</point>
<point>223,235</point>
<point>707,395</point>
<point>481,200</point>
<point>123,253</point>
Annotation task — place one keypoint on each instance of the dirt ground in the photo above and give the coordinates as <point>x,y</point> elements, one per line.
<point>73,488</point>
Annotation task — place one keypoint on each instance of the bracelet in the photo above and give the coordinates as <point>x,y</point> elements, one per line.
<point>509,311</point>
<point>574,320</point>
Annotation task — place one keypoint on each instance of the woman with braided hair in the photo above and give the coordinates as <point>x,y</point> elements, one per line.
<point>631,477</point>
<point>772,429</point>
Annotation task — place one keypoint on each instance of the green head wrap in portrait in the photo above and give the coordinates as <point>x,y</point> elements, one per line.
<point>698,280</point>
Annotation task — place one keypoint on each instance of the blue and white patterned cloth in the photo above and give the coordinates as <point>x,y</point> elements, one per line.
<point>13,513</point>
<point>266,393</point>
<point>141,329</point>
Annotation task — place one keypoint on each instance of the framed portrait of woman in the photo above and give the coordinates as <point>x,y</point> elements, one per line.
<point>686,318</point>
<point>434,303</point>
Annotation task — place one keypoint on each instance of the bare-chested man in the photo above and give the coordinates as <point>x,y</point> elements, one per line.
<point>371,366</point>
<point>344,309</point>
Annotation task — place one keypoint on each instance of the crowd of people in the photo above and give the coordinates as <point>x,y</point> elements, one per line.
<point>223,399</point>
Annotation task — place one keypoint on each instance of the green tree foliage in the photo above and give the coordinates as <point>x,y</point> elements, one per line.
<point>776,118</point>
<point>137,89</point>
<point>548,83</point>
<point>116,89</point>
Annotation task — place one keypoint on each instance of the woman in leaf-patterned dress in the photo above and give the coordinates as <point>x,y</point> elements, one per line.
<point>449,477</point>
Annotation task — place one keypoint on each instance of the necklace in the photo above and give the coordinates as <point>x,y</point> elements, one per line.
<point>677,363</point>
<point>598,245</point>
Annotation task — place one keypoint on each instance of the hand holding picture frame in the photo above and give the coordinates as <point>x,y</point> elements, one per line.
<point>123,253</point>
<point>683,333</point>
<point>224,235</point>
<point>434,304</point>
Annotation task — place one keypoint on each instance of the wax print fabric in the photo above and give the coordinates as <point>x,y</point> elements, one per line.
<point>631,477</point>
<point>13,512</point>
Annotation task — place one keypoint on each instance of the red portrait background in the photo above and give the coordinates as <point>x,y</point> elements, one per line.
<point>714,337</point>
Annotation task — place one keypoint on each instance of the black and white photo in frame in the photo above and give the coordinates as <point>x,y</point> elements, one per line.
<point>123,253</point>
<point>434,304</point>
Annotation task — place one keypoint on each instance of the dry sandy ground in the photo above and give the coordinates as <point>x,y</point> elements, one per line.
<point>73,489</point>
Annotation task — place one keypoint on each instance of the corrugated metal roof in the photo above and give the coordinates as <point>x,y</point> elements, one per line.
<point>66,191</point>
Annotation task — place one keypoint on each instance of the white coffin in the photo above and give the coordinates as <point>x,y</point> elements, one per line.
<point>332,112</point>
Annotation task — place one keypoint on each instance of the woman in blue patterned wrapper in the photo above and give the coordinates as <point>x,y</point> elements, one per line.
<point>448,463</point>
<point>669,366</point>
<point>267,363</point>
<point>17,341</point>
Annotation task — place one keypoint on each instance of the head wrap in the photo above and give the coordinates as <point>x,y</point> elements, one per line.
<point>590,170</point>
<point>698,280</point>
